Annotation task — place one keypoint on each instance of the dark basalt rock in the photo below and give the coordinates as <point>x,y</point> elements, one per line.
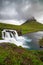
<point>41,46</point>
<point>19,32</point>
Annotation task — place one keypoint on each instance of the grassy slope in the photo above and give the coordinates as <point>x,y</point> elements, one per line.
<point>13,55</point>
<point>41,42</point>
<point>32,27</point>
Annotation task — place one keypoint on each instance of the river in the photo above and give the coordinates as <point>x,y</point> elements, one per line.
<point>34,44</point>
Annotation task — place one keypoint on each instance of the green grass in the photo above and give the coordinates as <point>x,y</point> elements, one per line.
<point>31,26</point>
<point>10,54</point>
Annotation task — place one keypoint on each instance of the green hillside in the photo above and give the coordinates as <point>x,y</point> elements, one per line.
<point>10,54</point>
<point>29,26</point>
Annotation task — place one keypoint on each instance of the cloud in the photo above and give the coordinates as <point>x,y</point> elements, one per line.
<point>8,10</point>
<point>18,10</point>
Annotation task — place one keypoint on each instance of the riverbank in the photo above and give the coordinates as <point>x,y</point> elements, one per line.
<point>41,42</point>
<point>10,54</point>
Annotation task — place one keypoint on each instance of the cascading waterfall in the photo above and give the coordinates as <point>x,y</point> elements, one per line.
<point>11,36</point>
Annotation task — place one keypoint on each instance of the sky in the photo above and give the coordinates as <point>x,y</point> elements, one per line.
<point>18,11</point>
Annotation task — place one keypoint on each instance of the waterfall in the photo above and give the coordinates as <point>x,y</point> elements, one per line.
<point>12,37</point>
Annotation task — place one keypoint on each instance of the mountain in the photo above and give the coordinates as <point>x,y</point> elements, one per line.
<point>31,25</point>
<point>30,20</point>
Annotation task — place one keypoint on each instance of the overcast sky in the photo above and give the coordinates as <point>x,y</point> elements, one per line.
<point>18,11</point>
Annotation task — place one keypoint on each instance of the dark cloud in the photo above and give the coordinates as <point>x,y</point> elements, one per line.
<point>21,9</point>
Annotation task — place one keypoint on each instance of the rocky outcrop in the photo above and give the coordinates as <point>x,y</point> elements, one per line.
<point>19,32</point>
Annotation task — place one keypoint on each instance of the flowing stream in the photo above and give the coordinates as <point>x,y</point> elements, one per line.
<point>35,36</point>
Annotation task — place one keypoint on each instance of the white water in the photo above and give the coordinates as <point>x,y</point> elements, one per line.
<point>14,38</point>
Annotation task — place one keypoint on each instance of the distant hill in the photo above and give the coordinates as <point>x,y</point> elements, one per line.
<point>31,19</point>
<point>31,25</point>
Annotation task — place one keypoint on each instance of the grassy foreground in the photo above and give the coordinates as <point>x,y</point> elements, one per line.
<point>10,54</point>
